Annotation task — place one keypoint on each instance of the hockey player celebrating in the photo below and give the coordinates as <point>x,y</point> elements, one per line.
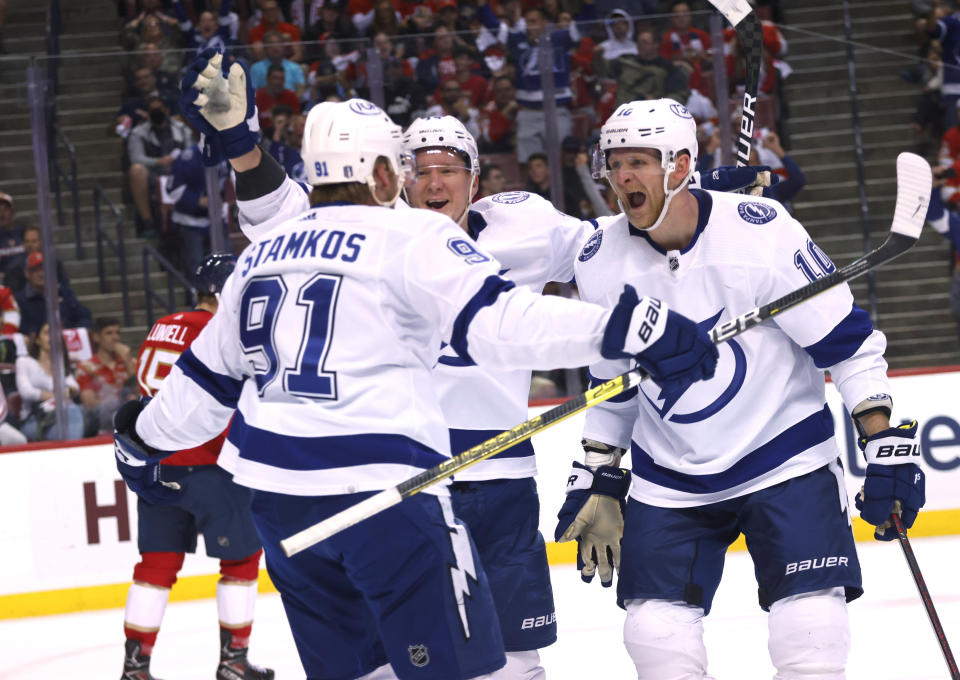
<point>751,451</point>
<point>207,502</point>
<point>324,342</point>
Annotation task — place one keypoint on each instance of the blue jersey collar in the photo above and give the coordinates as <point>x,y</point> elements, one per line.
<point>705,202</point>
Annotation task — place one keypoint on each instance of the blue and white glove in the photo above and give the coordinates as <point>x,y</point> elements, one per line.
<point>673,349</point>
<point>894,482</point>
<point>220,103</point>
<point>593,515</point>
<point>750,179</point>
<point>138,463</point>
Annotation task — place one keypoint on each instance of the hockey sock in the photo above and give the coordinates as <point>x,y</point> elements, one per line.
<point>147,598</point>
<point>236,596</point>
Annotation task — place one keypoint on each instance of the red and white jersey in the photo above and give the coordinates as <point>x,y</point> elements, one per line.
<point>10,312</point>
<point>168,338</point>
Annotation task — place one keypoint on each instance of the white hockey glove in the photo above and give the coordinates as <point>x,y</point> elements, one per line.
<point>593,515</point>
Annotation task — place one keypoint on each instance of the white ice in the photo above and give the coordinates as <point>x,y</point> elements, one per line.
<point>892,639</point>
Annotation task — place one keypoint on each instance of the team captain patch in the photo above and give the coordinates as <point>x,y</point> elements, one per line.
<point>756,213</point>
<point>591,247</point>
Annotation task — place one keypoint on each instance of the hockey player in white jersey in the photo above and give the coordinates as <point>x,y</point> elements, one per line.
<point>323,345</point>
<point>751,450</point>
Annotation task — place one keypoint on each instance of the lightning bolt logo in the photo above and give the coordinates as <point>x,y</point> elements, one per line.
<point>463,570</point>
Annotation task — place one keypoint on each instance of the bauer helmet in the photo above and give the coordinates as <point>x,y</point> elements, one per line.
<point>342,141</point>
<point>443,132</point>
<point>213,272</point>
<point>661,124</point>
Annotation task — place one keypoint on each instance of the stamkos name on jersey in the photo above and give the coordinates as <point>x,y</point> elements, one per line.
<point>327,244</point>
<point>806,565</point>
<point>164,332</point>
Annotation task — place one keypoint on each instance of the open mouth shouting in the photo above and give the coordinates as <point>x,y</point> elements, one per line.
<point>437,203</point>
<point>636,199</point>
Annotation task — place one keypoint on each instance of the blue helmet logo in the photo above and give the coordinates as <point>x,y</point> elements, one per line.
<point>364,108</point>
<point>680,110</point>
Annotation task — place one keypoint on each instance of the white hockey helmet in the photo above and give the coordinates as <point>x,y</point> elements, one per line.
<point>661,124</point>
<point>342,141</point>
<point>443,132</point>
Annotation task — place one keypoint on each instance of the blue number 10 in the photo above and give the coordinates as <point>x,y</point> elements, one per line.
<point>259,307</point>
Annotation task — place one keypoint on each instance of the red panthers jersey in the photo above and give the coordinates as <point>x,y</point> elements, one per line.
<point>168,338</point>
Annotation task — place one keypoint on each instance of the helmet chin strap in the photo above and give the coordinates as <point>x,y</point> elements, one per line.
<point>372,184</point>
<point>472,192</point>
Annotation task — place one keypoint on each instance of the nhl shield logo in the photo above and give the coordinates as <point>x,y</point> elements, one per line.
<point>419,656</point>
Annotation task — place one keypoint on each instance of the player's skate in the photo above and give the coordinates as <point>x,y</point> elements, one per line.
<point>136,666</point>
<point>234,664</point>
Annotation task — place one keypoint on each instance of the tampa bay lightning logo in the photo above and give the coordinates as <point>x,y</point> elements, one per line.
<point>591,247</point>
<point>511,197</point>
<point>756,213</point>
<point>680,110</point>
<point>364,108</point>
<point>670,399</point>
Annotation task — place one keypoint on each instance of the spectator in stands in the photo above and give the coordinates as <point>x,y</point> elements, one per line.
<point>273,49</point>
<point>770,152</point>
<point>386,19</point>
<point>437,64</point>
<point>498,119</point>
<point>33,304</point>
<point>492,181</point>
<point>448,14</point>
<point>471,83</point>
<point>150,29</point>
<point>9,313</point>
<point>134,110</point>
<point>286,142</point>
<point>13,274</point>
<point>928,119</point>
<point>531,126</point>
<point>403,97</point>
<point>645,75</point>
<point>11,233</point>
<point>272,22</point>
<point>620,40</point>
<point>576,201</point>
<point>103,377</point>
<point>685,45</point>
<point>35,386</point>
<point>945,29</point>
<point>166,83</point>
<point>453,102</point>
<point>274,94</point>
<point>152,148</point>
<point>211,31</point>
<point>419,24</point>
<point>331,24</point>
<point>538,175</point>
<point>9,434</point>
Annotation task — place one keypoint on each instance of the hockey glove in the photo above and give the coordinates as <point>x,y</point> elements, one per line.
<point>220,103</point>
<point>673,349</point>
<point>138,463</point>
<point>892,475</point>
<point>750,179</point>
<point>593,515</point>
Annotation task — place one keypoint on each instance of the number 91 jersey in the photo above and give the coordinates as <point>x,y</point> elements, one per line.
<point>165,342</point>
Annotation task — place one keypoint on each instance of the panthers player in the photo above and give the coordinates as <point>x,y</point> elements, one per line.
<point>751,451</point>
<point>208,503</point>
<point>324,343</point>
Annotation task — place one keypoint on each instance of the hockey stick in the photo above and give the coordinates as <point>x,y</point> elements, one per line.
<point>897,524</point>
<point>742,17</point>
<point>914,180</point>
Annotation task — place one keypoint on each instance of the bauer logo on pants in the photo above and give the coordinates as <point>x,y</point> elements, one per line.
<point>419,656</point>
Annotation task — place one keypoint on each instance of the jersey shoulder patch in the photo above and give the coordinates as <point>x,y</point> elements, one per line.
<point>510,197</point>
<point>591,247</point>
<point>755,212</point>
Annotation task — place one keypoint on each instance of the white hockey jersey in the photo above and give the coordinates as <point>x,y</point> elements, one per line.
<point>324,342</point>
<point>762,418</point>
<point>535,244</point>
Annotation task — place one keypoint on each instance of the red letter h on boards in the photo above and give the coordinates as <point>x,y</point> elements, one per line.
<point>96,512</point>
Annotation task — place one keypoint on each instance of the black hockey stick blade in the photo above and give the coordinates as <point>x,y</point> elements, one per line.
<point>913,174</point>
<point>914,566</point>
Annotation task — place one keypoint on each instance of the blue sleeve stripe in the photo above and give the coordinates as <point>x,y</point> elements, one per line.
<point>809,432</point>
<point>223,388</point>
<point>620,398</point>
<point>843,341</point>
<point>486,296</point>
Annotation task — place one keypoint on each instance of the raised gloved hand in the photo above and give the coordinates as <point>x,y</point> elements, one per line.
<point>894,481</point>
<point>220,103</point>
<point>673,349</point>
<point>749,179</point>
<point>138,463</point>
<point>593,515</point>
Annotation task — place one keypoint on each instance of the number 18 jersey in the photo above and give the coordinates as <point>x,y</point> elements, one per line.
<point>165,342</point>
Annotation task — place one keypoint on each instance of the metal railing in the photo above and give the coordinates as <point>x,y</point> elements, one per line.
<point>56,173</point>
<point>116,245</point>
<point>149,294</point>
